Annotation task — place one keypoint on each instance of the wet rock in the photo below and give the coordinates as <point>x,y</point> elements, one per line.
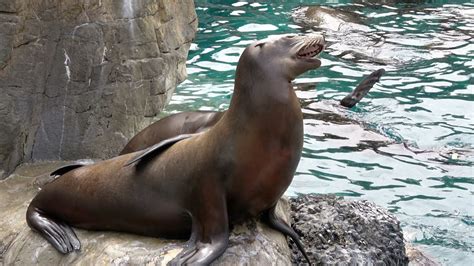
<point>75,75</point>
<point>418,258</point>
<point>336,231</point>
<point>251,243</point>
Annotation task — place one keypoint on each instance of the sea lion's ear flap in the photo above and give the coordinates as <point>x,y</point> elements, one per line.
<point>158,148</point>
<point>260,45</point>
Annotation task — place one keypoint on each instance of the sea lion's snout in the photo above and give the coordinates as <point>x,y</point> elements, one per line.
<point>287,56</point>
<point>312,45</point>
<point>304,51</point>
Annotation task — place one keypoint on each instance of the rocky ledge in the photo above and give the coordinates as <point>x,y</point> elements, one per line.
<point>336,231</point>
<point>333,230</point>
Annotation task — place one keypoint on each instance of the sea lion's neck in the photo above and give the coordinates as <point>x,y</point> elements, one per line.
<point>259,94</point>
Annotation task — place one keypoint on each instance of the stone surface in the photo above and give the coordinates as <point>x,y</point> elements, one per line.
<point>250,244</point>
<point>418,258</point>
<point>337,231</point>
<point>79,78</point>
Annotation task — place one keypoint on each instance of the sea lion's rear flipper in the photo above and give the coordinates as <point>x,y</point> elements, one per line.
<point>270,218</point>
<point>158,148</point>
<point>59,234</point>
<point>362,89</point>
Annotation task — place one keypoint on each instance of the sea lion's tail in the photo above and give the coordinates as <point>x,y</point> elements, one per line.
<point>362,89</point>
<point>59,234</point>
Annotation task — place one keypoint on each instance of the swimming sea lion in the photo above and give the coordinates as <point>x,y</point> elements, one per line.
<point>198,121</point>
<point>196,184</point>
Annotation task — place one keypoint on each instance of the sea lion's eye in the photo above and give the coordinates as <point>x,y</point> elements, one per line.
<point>290,36</point>
<point>260,44</point>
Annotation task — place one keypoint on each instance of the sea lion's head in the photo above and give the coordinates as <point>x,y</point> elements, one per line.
<point>284,55</point>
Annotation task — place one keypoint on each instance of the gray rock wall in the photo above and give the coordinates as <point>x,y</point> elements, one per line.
<point>79,78</point>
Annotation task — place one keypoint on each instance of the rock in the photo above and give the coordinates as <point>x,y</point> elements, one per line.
<point>418,258</point>
<point>250,244</point>
<point>336,231</point>
<point>75,75</point>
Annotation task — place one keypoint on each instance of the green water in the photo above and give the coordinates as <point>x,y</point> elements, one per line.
<point>425,100</point>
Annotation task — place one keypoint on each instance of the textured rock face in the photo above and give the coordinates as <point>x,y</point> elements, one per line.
<point>336,231</point>
<point>418,258</point>
<point>250,244</point>
<point>79,78</point>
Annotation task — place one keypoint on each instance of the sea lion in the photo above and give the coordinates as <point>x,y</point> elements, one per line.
<point>198,121</point>
<point>196,184</point>
<point>171,126</point>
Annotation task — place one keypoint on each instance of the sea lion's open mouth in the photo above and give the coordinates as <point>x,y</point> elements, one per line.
<point>310,51</point>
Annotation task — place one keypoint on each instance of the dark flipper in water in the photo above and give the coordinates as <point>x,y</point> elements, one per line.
<point>158,148</point>
<point>59,234</point>
<point>362,89</point>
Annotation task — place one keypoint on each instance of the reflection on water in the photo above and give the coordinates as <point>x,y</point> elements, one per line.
<point>408,145</point>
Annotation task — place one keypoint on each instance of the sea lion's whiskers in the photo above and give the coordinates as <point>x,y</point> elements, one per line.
<point>316,41</point>
<point>294,42</point>
<point>300,44</point>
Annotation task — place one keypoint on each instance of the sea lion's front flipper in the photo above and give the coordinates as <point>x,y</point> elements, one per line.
<point>210,228</point>
<point>362,89</point>
<point>158,148</point>
<point>270,218</point>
